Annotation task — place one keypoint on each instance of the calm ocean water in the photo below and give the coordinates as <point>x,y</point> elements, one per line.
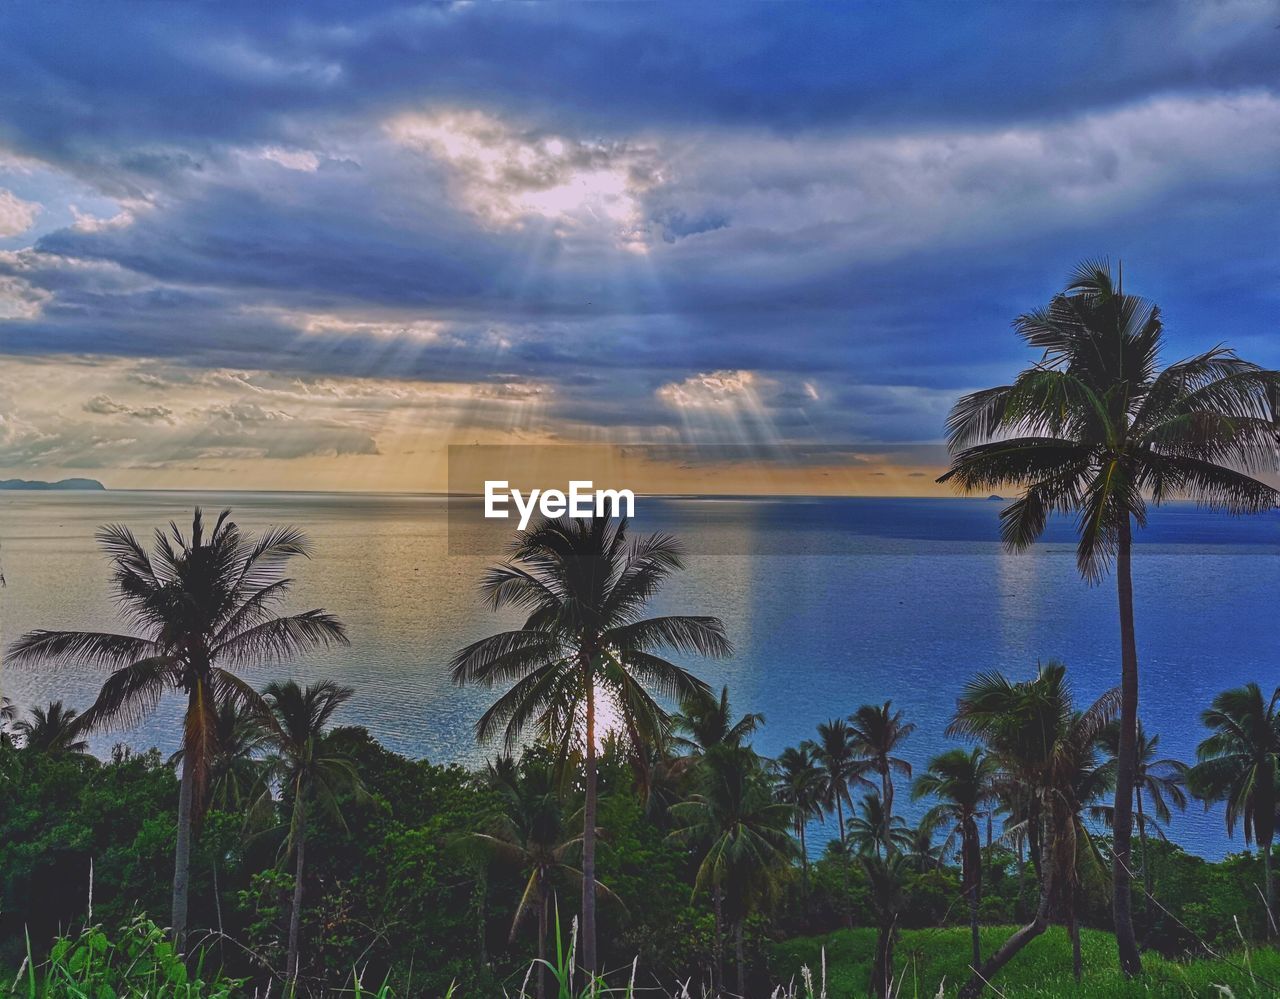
<point>830,603</point>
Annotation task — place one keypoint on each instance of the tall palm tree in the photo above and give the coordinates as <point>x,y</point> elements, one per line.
<point>742,835</point>
<point>52,730</point>
<point>1094,428</point>
<point>877,734</point>
<point>704,721</point>
<point>873,831</point>
<point>833,750</point>
<point>309,773</point>
<point>1161,781</point>
<point>1040,742</point>
<point>201,607</point>
<point>799,783</point>
<point>964,784</point>
<point>584,585</point>
<point>1240,764</point>
<point>242,740</point>
<point>532,834</point>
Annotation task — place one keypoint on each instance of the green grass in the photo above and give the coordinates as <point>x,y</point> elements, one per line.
<point>927,958</point>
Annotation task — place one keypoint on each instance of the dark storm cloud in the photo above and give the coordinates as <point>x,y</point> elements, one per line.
<point>852,203</point>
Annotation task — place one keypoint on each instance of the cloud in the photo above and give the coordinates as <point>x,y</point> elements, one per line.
<point>16,215</point>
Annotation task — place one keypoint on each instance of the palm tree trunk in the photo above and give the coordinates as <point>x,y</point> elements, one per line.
<point>840,817</point>
<point>1126,760</point>
<point>717,945</point>
<point>1146,857</point>
<point>542,944</point>
<point>740,954</point>
<point>295,916</point>
<point>1073,927</point>
<point>886,793</point>
<point>973,988</point>
<point>589,833</point>
<point>1269,887</point>
<point>182,852</point>
<point>971,871</point>
<point>804,858</point>
<point>882,964</point>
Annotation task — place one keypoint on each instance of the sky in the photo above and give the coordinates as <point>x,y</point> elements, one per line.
<point>297,246</point>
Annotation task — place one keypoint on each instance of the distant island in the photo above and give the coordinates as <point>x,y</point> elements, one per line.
<point>35,484</point>
<point>993,496</point>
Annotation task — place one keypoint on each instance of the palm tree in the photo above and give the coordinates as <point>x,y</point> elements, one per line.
<point>203,606</point>
<point>533,835</point>
<point>742,835</point>
<point>833,750</point>
<point>704,721</point>
<point>52,730</point>
<point>965,784</point>
<point>1095,429</point>
<point>584,587</point>
<point>309,773</point>
<point>799,783</point>
<point>873,831</point>
<point>237,770</point>
<point>1041,743</point>
<point>8,715</point>
<point>1162,781</point>
<point>877,734</point>
<point>1239,764</point>
<point>886,890</point>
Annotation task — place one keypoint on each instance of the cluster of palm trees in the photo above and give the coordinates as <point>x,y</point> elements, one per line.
<point>203,605</point>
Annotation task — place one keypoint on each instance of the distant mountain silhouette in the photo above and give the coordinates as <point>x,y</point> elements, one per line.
<point>36,484</point>
<point>998,499</point>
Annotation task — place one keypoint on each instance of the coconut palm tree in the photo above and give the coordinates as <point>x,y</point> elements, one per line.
<point>833,750</point>
<point>242,741</point>
<point>1039,741</point>
<point>1094,428</point>
<point>584,585</point>
<point>1160,781</point>
<point>964,782</point>
<point>201,607</point>
<point>799,783</point>
<point>877,733</point>
<point>52,730</point>
<point>704,721</point>
<point>886,891</point>
<point>532,834</point>
<point>873,831</point>
<point>311,776</point>
<point>1240,765</point>
<point>742,836</point>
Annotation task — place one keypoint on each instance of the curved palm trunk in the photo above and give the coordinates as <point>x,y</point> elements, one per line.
<point>589,837</point>
<point>295,916</point>
<point>182,854</point>
<point>1126,760</point>
<point>1039,922</point>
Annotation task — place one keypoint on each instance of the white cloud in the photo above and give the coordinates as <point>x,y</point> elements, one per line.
<point>16,215</point>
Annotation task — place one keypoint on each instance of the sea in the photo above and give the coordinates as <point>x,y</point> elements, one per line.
<point>830,603</point>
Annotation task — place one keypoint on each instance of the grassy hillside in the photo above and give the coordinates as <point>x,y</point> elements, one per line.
<point>930,958</point>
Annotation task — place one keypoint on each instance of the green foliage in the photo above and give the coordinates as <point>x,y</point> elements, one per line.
<point>140,962</point>
<point>930,959</point>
